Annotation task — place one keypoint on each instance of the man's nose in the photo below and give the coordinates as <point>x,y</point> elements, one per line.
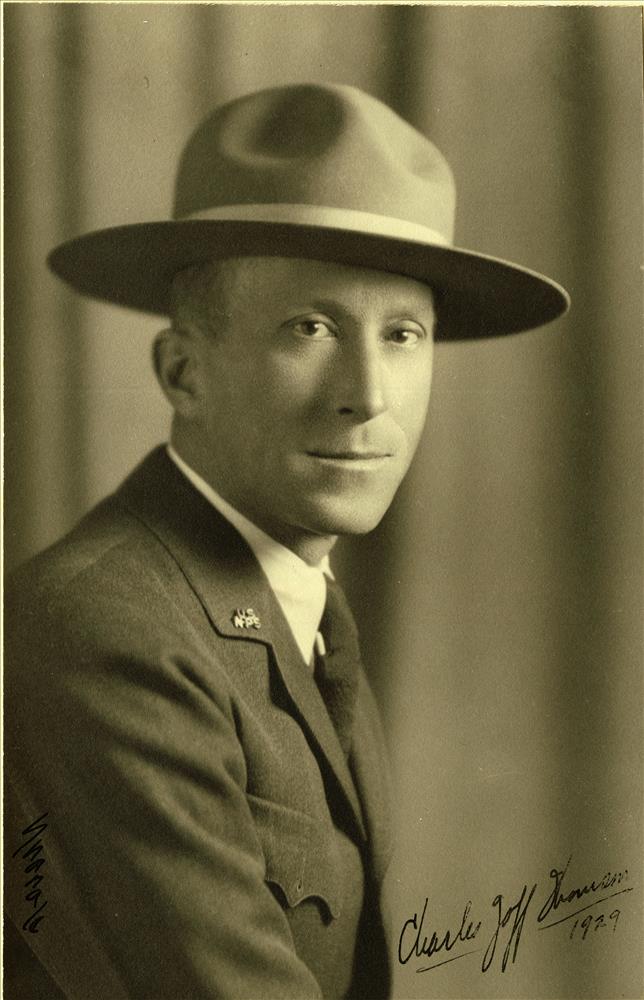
<point>361,375</point>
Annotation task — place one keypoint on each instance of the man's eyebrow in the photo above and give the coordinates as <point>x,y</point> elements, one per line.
<point>307,304</point>
<point>401,308</point>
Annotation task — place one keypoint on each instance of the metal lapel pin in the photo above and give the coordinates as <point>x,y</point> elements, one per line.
<point>245,618</point>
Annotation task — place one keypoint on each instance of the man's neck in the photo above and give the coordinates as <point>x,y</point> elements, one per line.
<point>309,547</point>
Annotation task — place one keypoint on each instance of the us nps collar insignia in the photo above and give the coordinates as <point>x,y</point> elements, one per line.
<point>245,618</point>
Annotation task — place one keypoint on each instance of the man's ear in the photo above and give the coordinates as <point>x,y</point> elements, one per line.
<point>174,356</point>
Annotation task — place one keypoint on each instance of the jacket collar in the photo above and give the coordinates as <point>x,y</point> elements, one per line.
<point>232,588</point>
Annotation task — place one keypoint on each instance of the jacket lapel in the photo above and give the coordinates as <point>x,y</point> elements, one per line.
<point>371,771</point>
<point>233,590</point>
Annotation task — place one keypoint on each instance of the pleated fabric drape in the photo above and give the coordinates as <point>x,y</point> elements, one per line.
<point>502,628</point>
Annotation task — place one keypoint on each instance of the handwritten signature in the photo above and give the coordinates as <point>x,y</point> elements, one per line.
<point>419,940</point>
<point>32,850</point>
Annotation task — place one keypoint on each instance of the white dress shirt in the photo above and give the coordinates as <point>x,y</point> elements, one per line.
<point>299,588</point>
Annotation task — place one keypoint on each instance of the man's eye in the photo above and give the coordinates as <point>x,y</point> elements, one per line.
<point>403,336</point>
<point>313,329</point>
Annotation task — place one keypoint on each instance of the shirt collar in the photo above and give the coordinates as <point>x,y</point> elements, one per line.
<point>299,587</point>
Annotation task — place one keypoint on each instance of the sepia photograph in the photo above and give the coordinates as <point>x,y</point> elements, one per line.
<point>323,555</point>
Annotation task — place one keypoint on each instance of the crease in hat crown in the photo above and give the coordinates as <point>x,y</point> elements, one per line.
<point>320,171</point>
<point>311,147</point>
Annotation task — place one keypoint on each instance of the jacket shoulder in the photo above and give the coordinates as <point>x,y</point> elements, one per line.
<point>107,592</point>
<point>106,527</point>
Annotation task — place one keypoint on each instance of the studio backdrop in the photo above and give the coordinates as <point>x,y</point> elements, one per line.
<point>500,600</point>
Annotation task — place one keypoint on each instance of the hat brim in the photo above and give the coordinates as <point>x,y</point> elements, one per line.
<point>479,296</point>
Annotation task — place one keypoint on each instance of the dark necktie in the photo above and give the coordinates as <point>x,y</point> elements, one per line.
<point>337,671</point>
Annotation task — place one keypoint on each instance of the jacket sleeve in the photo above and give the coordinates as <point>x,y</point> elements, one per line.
<point>120,726</point>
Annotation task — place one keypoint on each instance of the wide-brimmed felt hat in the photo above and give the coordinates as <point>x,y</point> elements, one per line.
<point>325,172</point>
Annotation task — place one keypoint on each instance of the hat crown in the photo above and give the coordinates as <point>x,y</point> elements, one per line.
<point>316,145</point>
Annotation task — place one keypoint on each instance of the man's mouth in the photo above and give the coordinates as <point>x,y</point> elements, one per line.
<point>350,458</point>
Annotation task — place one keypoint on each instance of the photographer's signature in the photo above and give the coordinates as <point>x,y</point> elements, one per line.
<point>31,850</point>
<point>497,936</point>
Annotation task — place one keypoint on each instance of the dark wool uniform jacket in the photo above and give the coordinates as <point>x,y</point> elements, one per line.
<point>205,834</point>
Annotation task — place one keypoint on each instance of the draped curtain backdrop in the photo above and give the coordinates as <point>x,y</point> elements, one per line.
<point>502,629</point>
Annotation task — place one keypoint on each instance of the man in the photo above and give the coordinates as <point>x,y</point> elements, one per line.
<point>196,774</point>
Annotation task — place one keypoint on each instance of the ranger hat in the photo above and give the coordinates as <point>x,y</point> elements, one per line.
<point>315,171</point>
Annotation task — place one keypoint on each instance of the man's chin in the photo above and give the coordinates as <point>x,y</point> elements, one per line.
<point>356,518</point>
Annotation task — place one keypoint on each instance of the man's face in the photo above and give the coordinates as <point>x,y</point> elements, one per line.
<point>313,394</point>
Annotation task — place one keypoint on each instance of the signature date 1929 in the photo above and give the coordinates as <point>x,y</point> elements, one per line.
<point>499,937</point>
